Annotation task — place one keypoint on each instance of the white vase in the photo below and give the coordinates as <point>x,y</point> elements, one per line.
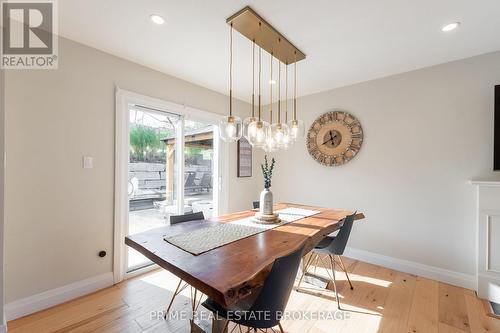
<point>266,202</point>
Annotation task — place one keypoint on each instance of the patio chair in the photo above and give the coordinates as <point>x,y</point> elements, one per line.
<point>206,181</point>
<point>189,184</point>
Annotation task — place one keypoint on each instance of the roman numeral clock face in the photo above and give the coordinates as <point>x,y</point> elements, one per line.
<point>334,138</point>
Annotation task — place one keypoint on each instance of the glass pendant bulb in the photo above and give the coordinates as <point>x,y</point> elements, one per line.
<point>258,133</point>
<point>296,129</point>
<point>230,128</point>
<point>279,133</point>
<point>247,130</point>
<point>270,144</point>
<point>287,143</point>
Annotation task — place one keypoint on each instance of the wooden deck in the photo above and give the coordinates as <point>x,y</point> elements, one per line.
<point>383,300</point>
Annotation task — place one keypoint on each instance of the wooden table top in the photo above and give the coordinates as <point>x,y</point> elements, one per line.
<point>231,272</point>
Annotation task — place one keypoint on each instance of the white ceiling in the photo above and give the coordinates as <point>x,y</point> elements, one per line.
<point>345,41</point>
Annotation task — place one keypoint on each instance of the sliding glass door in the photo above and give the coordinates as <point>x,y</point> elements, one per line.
<point>171,171</point>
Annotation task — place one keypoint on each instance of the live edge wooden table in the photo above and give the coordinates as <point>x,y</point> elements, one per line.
<point>233,271</point>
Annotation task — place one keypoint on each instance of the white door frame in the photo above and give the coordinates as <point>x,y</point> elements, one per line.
<point>221,162</point>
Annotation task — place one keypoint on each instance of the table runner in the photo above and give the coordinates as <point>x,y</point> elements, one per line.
<point>206,239</point>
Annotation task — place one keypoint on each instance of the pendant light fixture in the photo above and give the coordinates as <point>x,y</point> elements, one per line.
<point>230,127</point>
<point>258,130</point>
<point>295,125</point>
<point>254,128</point>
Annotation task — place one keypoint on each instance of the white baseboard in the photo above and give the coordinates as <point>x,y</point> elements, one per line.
<point>443,275</point>
<point>49,298</point>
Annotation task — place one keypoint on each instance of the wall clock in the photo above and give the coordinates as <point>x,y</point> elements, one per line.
<point>334,138</point>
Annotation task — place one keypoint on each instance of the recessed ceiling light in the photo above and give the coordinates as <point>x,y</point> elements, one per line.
<point>157,19</point>
<point>450,27</point>
<point>272,81</point>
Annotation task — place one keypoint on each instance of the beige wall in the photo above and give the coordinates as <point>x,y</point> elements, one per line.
<point>427,132</point>
<point>60,215</point>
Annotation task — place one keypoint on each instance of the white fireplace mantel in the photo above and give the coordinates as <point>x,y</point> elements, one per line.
<point>488,238</point>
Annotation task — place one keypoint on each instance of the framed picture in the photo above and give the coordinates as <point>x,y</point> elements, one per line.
<point>244,158</point>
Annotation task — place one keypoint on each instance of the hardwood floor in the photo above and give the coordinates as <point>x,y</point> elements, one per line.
<point>383,300</point>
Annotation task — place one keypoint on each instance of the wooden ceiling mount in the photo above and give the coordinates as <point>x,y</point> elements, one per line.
<point>254,27</point>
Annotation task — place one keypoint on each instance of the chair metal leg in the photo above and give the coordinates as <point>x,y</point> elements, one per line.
<point>219,325</point>
<point>195,301</point>
<point>335,281</point>
<point>304,271</point>
<point>173,297</point>
<point>281,328</point>
<point>316,263</point>
<point>239,327</point>
<point>226,326</point>
<point>345,271</point>
<point>326,268</point>
<point>194,306</point>
<point>199,301</point>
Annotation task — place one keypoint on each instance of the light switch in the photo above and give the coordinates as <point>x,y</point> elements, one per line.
<point>88,162</point>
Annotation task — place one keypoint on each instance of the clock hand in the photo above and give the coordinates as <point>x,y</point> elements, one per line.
<point>327,141</point>
<point>331,138</point>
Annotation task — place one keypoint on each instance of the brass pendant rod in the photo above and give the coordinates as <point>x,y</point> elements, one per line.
<point>260,74</point>
<point>231,71</point>
<point>279,92</point>
<point>271,94</point>
<point>295,92</point>
<point>286,93</point>
<point>253,79</point>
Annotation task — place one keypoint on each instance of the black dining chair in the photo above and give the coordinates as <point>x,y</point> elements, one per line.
<point>176,219</point>
<point>332,246</point>
<point>256,204</point>
<point>271,300</point>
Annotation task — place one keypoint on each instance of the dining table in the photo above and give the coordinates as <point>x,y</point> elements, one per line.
<point>233,271</point>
